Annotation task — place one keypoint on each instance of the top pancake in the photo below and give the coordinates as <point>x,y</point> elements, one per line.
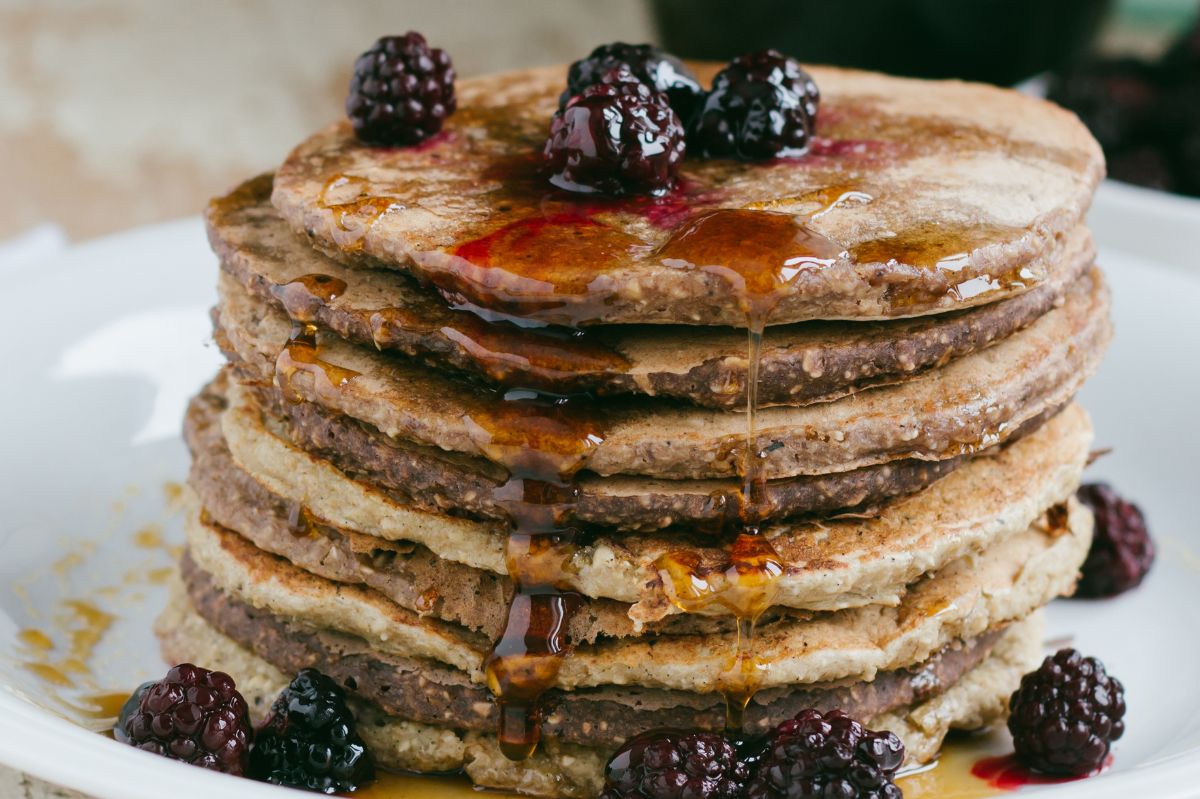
<point>917,197</point>
<point>798,364</point>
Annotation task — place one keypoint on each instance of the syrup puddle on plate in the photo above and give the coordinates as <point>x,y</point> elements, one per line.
<point>72,609</point>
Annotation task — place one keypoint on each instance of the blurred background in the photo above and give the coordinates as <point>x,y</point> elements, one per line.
<point>117,113</point>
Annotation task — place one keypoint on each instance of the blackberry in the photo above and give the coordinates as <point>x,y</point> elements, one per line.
<point>401,92</point>
<point>1122,551</point>
<point>309,739</point>
<point>763,105</point>
<point>831,754</point>
<point>192,714</point>
<point>658,70</point>
<point>1066,715</point>
<point>672,764</point>
<point>617,137</point>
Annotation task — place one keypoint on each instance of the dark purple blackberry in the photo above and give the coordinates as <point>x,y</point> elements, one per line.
<point>658,70</point>
<point>309,739</point>
<point>1122,551</point>
<point>763,105</point>
<point>831,754</point>
<point>402,91</point>
<point>192,714</point>
<point>617,137</point>
<point>672,764</point>
<point>1066,715</point>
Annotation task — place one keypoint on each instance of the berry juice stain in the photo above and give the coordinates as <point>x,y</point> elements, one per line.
<point>1005,773</point>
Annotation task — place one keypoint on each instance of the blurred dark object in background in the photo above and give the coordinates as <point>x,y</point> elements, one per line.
<point>999,41</point>
<point>1145,114</point>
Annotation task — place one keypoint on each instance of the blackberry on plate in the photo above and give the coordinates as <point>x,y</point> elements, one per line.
<point>192,714</point>
<point>658,70</point>
<point>1122,551</point>
<point>830,754</point>
<point>1065,716</point>
<point>617,137</point>
<point>309,739</point>
<point>763,105</point>
<point>671,764</point>
<point>401,92</point>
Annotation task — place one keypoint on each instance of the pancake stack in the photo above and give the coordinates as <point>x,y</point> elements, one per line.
<point>531,473</point>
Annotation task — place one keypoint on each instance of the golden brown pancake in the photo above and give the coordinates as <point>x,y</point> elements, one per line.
<point>916,197</point>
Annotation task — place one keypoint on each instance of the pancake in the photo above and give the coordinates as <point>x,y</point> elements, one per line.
<point>916,198</point>
<point>965,599</point>
<point>424,691</point>
<point>408,574</point>
<point>833,563</point>
<point>816,361</point>
<point>431,479</point>
<point>967,405</point>
<point>974,701</point>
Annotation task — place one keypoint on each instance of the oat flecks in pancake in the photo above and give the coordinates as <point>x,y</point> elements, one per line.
<point>803,363</point>
<point>967,405</point>
<point>834,564</point>
<point>408,573</point>
<point>976,701</point>
<point>1004,583</point>
<point>948,166</point>
<point>426,691</point>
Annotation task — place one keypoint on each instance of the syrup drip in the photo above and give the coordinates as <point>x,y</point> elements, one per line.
<point>543,442</point>
<point>538,356</point>
<point>304,296</point>
<point>355,210</point>
<point>300,521</point>
<point>760,253</point>
<point>946,249</point>
<point>302,354</point>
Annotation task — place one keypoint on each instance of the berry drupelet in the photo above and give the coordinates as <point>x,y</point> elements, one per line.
<point>830,754</point>
<point>401,92</point>
<point>658,70</point>
<point>192,714</point>
<point>1122,551</point>
<point>1066,715</point>
<point>670,764</point>
<point>618,137</point>
<point>309,739</point>
<point>762,106</point>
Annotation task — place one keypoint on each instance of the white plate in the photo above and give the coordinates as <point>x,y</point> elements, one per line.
<point>105,344</point>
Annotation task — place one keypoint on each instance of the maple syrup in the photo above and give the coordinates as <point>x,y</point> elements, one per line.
<point>543,442</point>
<point>536,357</point>
<point>355,210</point>
<point>304,296</point>
<point>300,521</point>
<point>759,253</point>
<point>302,354</point>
